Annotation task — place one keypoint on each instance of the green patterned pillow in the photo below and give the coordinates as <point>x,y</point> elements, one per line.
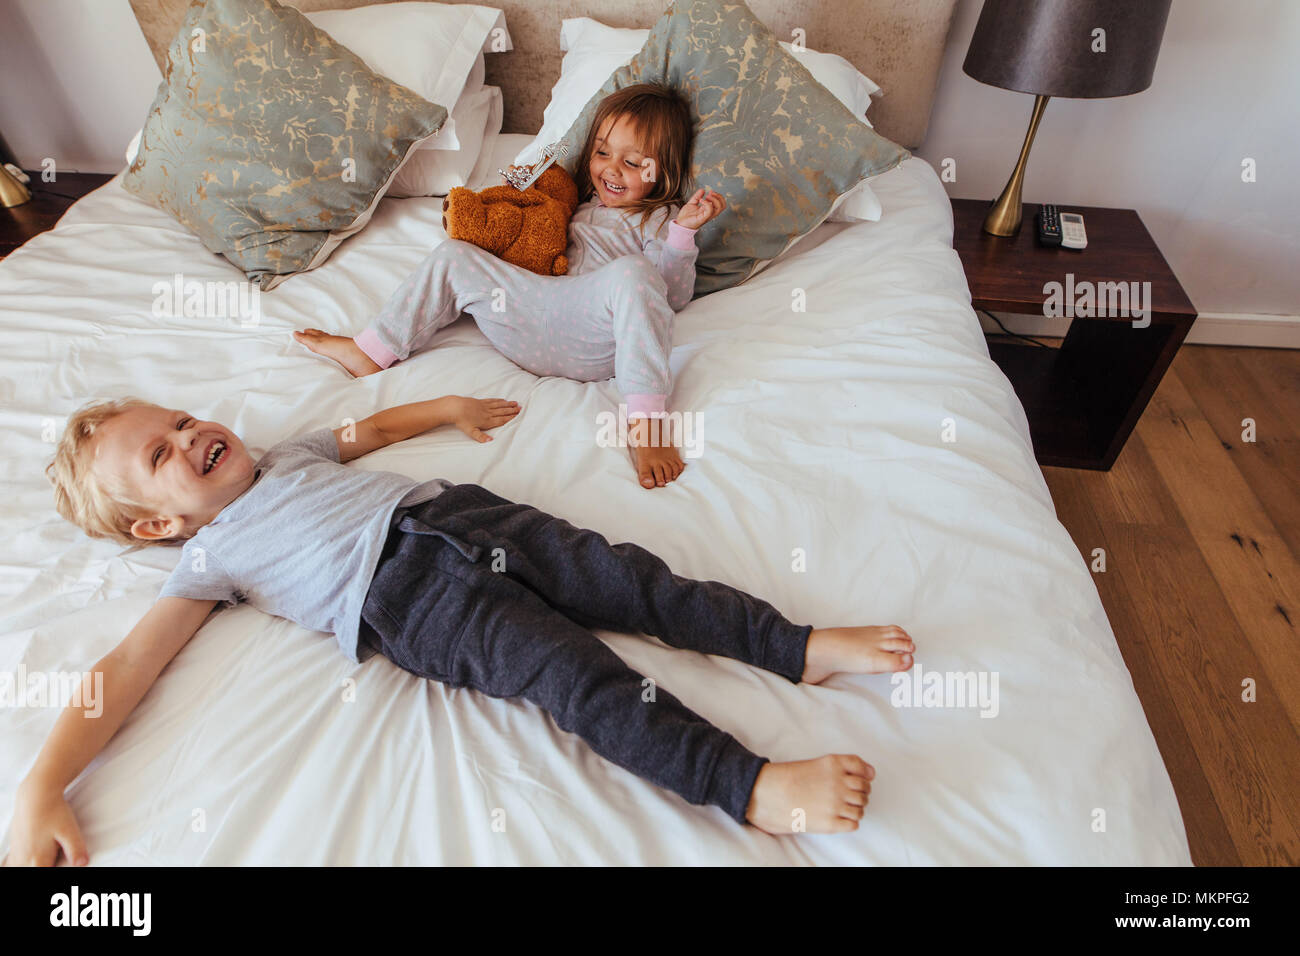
<point>779,146</point>
<point>270,140</point>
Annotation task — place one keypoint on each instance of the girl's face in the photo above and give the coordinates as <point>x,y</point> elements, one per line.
<point>619,170</point>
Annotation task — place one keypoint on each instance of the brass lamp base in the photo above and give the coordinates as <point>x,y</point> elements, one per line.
<point>12,192</point>
<point>1004,215</point>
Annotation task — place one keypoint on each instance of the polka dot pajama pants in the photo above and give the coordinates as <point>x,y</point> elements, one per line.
<point>614,321</point>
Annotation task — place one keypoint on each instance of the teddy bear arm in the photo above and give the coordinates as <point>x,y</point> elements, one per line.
<point>490,226</point>
<point>559,185</point>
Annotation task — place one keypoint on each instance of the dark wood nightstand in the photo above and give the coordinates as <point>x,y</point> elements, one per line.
<point>48,204</point>
<point>1083,399</point>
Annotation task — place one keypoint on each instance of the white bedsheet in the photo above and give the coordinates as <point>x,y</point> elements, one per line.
<point>823,431</point>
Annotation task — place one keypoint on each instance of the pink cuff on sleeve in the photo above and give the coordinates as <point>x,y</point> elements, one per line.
<point>645,406</point>
<point>680,237</point>
<point>369,343</point>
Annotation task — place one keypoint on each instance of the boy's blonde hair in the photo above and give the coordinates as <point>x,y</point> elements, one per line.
<point>95,504</point>
<point>662,116</point>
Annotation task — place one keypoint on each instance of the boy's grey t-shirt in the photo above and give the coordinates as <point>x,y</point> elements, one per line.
<point>303,541</point>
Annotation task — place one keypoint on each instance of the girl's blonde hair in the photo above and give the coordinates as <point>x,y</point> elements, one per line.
<point>664,126</point>
<point>96,505</point>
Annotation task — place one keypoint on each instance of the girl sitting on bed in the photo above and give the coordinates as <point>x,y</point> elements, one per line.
<point>612,315</point>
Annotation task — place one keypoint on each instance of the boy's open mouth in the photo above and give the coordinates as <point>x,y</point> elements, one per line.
<point>215,456</point>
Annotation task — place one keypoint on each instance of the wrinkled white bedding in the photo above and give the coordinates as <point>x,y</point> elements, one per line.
<point>823,444</point>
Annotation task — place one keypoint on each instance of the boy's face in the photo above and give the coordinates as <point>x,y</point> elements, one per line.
<point>187,470</point>
<point>616,161</point>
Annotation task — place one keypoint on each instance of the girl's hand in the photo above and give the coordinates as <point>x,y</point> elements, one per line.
<point>474,415</point>
<point>43,823</point>
<point>702,207</point>
<point>525,170</point>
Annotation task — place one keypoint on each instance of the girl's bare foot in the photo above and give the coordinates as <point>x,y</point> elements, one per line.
<point>856,650</point>
<point>825,795</point>
<point>657,460</point>
<point>340,348</point>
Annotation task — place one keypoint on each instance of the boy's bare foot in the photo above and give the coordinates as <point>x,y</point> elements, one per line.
<point>856,650</point>
<point>341,349</point>
<point>830,791</point>
<point>657,460</point>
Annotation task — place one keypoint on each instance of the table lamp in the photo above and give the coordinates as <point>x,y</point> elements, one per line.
<point>1070,48</point>
<point>12,192</point>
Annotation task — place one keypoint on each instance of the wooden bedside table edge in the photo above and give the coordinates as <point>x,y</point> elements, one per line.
<point>50,202</point>
<point>1185,307</point>
<point>1175,306</point>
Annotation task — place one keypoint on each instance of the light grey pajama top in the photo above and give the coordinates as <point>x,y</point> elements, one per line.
<point>599,234</point>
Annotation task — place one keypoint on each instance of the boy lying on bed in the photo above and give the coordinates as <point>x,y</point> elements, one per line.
<point>413,571</point>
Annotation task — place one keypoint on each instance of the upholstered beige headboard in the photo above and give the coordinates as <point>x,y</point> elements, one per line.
<point>898,43</point>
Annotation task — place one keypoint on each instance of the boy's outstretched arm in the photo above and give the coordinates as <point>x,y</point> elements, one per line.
<point>473,416</point>
<point>43,822</point>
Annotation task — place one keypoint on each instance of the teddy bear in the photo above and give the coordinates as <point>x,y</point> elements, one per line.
<point>529,228</point>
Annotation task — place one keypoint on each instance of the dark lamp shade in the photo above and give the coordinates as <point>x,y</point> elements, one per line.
<point>1046,47</point>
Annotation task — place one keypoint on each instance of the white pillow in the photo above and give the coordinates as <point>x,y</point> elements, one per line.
<point>431,48</point>
<point>133,147</point>
<point>594,50</point>
<point>402,62</point>
<point>591,37</point>
<point>434,172</point>
<point>474,82</point>
<point>485,170</point>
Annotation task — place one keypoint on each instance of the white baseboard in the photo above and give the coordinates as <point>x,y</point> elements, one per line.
<point>1210,328</point>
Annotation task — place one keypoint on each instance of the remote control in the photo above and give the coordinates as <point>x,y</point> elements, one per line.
<point>1049,225</point>
<point>1073,235</point>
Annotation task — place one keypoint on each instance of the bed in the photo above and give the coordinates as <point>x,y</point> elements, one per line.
<point>863,461</point>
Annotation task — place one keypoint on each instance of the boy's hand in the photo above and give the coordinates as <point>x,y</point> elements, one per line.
<point>42,824</point>
<point>471,415</point>
<point>702,207</point>
<point>474,415</point>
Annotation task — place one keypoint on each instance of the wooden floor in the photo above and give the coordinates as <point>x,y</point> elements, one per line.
<point>1201,531</point>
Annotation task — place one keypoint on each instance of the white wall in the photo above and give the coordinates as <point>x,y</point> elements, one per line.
<point>78,79</point>
<point>1226,87</point>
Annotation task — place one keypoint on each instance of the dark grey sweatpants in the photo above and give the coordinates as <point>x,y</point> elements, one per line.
<point>437,608</point>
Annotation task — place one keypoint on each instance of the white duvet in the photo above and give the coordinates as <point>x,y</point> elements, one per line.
<point>825,485</point>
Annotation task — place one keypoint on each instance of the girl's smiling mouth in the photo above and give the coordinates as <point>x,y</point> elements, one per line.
<point>217,453</point>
